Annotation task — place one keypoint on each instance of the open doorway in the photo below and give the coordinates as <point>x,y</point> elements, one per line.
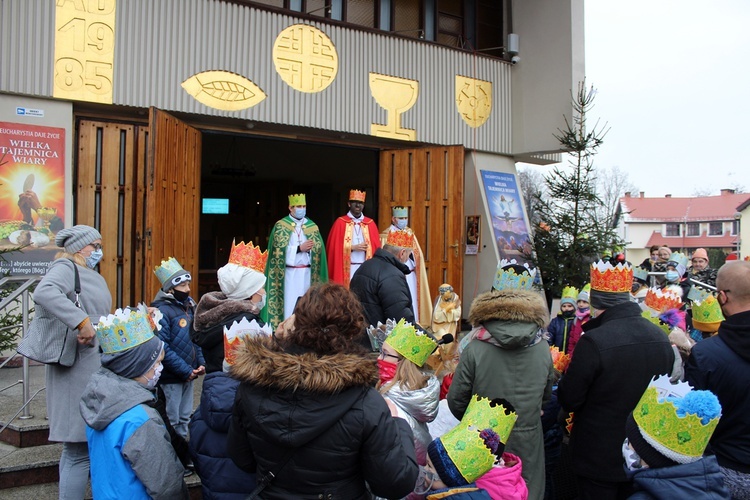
<point>245,181</point>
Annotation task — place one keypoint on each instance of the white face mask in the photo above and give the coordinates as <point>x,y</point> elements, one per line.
<point>93,259</point>
<point>299,213</point>
<point>401,223</point>
<point>151,382</point>
<point>262,303</point>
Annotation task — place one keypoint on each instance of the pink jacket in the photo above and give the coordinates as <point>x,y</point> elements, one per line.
<point>505,483</point>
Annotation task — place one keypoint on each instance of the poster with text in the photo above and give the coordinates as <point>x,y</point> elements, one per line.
<point>32,196</point>
<point>509,229</point>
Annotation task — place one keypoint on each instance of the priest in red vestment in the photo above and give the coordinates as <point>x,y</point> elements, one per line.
<point>353,239</point>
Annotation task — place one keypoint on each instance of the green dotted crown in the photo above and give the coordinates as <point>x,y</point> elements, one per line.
<point>413,345</point>
<point>123,330</point>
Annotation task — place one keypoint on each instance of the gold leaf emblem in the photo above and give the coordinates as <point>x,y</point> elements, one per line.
<point>223,90</point>
<point>473,100</point>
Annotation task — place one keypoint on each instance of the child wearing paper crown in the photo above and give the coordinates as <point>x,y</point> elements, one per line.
<point>667,434</point>
<point>209,426</point>
<point>129,446</point>
<point>470,462</point>
<point>183,360</point>
<point>415,392</point>
<point>559,327</point>
<point>583,315</point>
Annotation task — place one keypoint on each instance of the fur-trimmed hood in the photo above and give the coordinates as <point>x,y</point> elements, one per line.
<point>518,306</point>
<point>261,361</point>
<point>215,306</point>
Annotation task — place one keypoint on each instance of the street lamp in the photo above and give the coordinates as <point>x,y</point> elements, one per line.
<point>738,241</point>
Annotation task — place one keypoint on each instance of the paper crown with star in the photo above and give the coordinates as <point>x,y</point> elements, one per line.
<point>239,330</point>
<point>403,238</point>
<point>400,212</point>
<point>707,315</point>
<point>297,199</point>
<point>248,255</point>
<point>608,278</point>
<point>410,343</point>
<point>660,300</point>
<point>470,449</point>
<point>357,195</point>
<point>676,420</point>
<point>123,330</point>
<point>506,279</point>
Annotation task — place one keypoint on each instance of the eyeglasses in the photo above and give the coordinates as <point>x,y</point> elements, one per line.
<point>384,355</point>
<point>96,246</point>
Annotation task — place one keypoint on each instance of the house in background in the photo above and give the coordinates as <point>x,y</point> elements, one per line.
<point>684,224</point>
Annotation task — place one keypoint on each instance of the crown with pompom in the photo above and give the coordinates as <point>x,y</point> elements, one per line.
<point>608,278</point>
<point>676,420</point>
<point>237,331</point>
<point>167,269</point>
<point>357,195</point>
<point>707,314</point>
<point>403,238</point>
<point>660,300</point>
<point>470,444</point>
<point>506,279</point>
<point>658,322</point>
<point>560,360</point>
<point>640,273</point>
<point>400,212</point>
<point>123,330</point>
<point>297,199</point>
<point>411,344</point>
<point>248,255</point>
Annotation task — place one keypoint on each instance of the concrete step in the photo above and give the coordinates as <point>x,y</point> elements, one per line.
<point>50,490</point>
<point>25,466</point>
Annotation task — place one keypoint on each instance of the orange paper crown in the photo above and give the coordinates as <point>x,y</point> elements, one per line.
<point>559,360</point>
<point>608,278</point>
<point>662,300</point>
<point>403,238</point>
<point>248,255</point>
<point>357,195</point>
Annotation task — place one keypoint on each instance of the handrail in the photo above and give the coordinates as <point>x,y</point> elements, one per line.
<point>18,291</point>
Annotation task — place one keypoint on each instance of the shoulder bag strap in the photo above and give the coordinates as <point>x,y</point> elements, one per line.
<point>76,285</point>
<point>270,476</point>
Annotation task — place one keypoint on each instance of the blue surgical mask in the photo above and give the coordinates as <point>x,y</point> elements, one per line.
<point>93,259</point>
<point>672,276</point>
<point>299,213</point>
<point>401,223</point>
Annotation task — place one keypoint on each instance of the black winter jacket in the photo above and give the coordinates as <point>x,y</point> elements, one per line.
<point>209,426</point>
<point>721,364</point>
<point>380,285</point>
<point>324,409</point>
<point>613,364</point>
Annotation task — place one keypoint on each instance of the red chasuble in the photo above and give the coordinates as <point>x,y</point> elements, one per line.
<point>339,247</point>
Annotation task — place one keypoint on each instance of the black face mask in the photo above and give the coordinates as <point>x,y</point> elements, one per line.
<point>568,314</point>
<point>180,296</point>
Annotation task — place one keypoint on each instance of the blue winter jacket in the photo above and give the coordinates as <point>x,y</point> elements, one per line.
<point>701,479</point>
<point>220,477</point>
<point>559,331</point>
<point>181,355</point>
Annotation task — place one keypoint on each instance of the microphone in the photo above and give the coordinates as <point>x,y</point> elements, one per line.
<point>446,339</point>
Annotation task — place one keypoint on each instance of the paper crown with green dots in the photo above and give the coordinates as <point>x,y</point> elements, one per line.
<point>707,314</point>
<point>123,330</point>
<point>411,344</point>
<point>465,445</point>
<point>508,279</point>
<point>676,420</point>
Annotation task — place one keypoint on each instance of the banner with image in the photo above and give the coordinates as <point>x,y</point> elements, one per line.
<point>32,196</point>
<point>509,229</point>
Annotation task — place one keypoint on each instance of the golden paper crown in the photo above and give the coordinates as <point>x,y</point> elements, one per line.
<point>676,429</point>
<point>297,199</point>
<point>403,238</point>
<point>569,292</point>
<point>248,255</point>
<point>414,346</point>
<point>608,278</point>
<point>463,444</point>
<point>236,332</point>
<point>707,314</point>
<point>357,195</point>
<point>662,300</point>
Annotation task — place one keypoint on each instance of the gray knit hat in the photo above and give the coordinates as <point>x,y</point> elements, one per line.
<point>74,239</point>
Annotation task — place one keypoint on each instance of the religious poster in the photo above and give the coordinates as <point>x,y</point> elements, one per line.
<point>473,236</point>
<point>509,228</point>
<point>32,196</point>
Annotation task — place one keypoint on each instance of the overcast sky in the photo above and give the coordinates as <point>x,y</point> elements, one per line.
<point>673,82</point>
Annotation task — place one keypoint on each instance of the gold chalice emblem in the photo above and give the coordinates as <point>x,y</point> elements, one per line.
<point>46,214</point>
<point>396,95</point>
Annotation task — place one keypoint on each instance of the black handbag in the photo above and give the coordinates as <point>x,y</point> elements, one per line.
<point>49,340</point>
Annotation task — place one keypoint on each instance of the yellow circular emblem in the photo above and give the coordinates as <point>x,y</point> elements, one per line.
<point>183,322</point>
<point>305,58</point>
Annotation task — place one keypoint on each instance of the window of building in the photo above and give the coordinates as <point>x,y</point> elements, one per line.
<point>693,229</point>
<point>673,229</point>
<point>361,12</point>
<point>715,228</point>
